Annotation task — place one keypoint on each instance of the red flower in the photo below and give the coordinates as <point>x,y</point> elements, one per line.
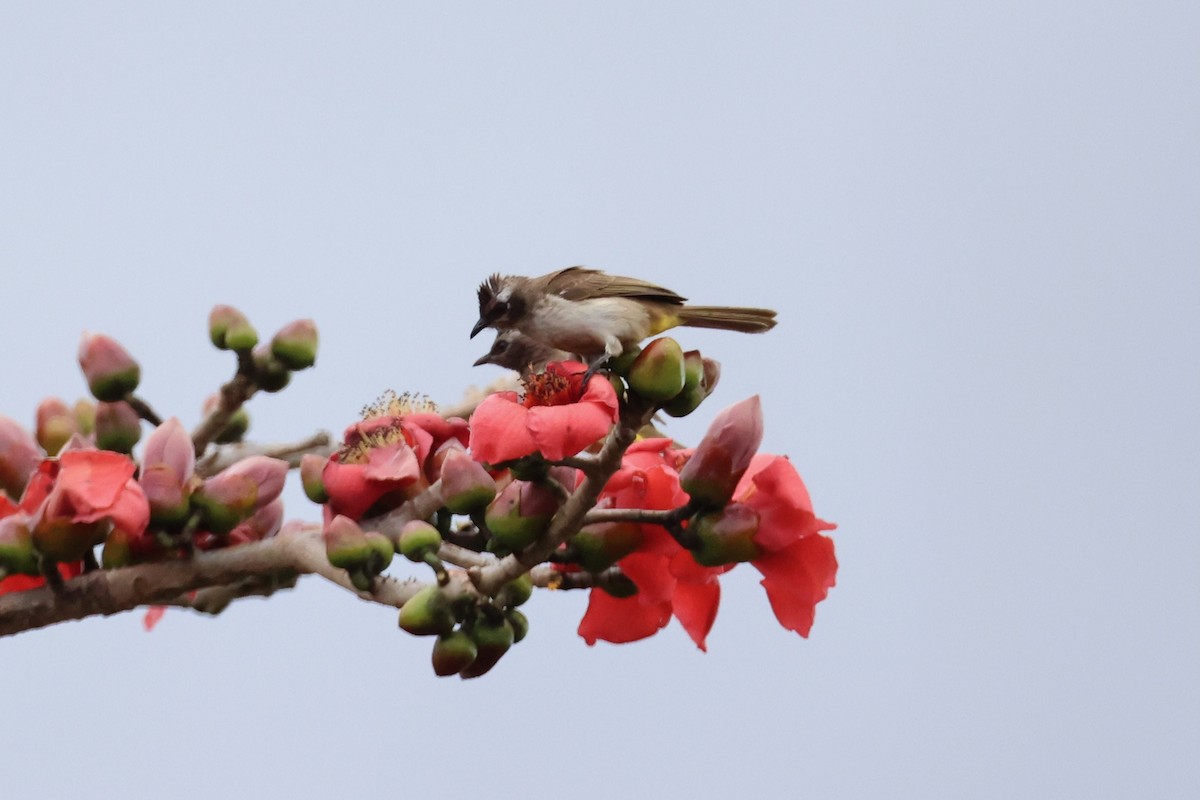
<point>558,417</point>
<point>797,562</point>
<point>669,581</point>
<point>71,503</point>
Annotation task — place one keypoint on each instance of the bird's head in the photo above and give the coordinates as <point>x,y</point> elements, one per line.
<point>500,304</point>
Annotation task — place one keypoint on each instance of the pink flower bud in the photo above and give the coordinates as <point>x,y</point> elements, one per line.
<point>234,493</point>
<point>19,457</point>
<point>170,447</point>
<point>345,543</point>
<point>118,427</point>
<point>230,330</point>
<point>466,485</point>
<point>262,524</point>
<point>110,371</point>
<point>600,545</point>
<point>723,455</point>
<point>55,424</point>
<point>296,344</point>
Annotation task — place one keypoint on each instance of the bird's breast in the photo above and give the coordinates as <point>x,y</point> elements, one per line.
<point>586,326</point>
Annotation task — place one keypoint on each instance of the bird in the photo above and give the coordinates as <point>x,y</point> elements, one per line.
<point>597,315</point>
<point>514,350</point>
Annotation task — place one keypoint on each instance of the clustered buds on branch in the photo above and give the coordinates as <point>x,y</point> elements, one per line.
<point>566,485</point>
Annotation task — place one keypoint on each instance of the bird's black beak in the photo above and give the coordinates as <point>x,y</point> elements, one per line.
<point>483,359</point>
<point>478,327</point>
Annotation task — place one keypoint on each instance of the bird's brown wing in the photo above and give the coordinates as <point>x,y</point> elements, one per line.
<point>581,283</point>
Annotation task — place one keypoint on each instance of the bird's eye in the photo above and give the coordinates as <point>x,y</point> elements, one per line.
<point>502,307</point>
<point>501,346</point>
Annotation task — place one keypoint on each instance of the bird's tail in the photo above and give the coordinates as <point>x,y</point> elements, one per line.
<point>727,318</point>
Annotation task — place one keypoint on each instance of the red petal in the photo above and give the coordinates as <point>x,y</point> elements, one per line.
<point>651,574</point>
<point>561,431</point>
<point>498,430</point>
<point>783,505</point>
<point>395,464</point>
<point>620,620</point>
<point>153,615</point>
<point>695,605</point>
<point>93,480</point>
<point>797,578</point>
<point>131,511</point>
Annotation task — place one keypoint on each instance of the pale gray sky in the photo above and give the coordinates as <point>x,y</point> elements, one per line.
<point>978,222</point>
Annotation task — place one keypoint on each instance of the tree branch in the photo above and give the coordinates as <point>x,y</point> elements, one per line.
<point>226,455</point>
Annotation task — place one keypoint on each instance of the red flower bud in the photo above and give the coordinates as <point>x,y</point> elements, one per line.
<point>723,455</point>
<point>466,485</point>
<point>118,427</point>
<point>296,344</point>
<point>658,371</point>
<point>230,330</point>
<point>234,493</point>
<point>110,371</point>
<point>19,457</point>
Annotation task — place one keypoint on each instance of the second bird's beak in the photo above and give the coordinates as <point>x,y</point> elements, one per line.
<point>478,327</point>
<point>484,359</point>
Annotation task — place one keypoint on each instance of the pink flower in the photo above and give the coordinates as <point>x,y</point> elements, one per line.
<point>233,494</point>
<point>557,418</point>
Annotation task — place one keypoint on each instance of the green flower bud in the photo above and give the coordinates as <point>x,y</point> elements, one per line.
<point>118,427</point>
<point>466,485</point>
<point>657,373</point>
<point>519,623</point>
<point>725,536</point>
<point>695,386</point>
<point>600,545</point>
<point>269,372</point>
<point>230,330</point>
<point>453,652</point>
<point>311,468</point>
<point>295,346</point>
<point>382,552</point>
<point>516,592</point>
<point>493,640</point>
<point>418,539</point>
<point>345,543</point>
<point>427,613</point>
<point>17,554</point>
<point>520,514</point>
<point>110,371</point>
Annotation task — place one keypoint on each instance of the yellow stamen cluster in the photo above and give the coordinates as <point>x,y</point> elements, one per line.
<point>390,404</point>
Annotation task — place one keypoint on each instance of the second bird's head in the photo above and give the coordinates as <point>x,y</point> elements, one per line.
<point>500,305</point>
